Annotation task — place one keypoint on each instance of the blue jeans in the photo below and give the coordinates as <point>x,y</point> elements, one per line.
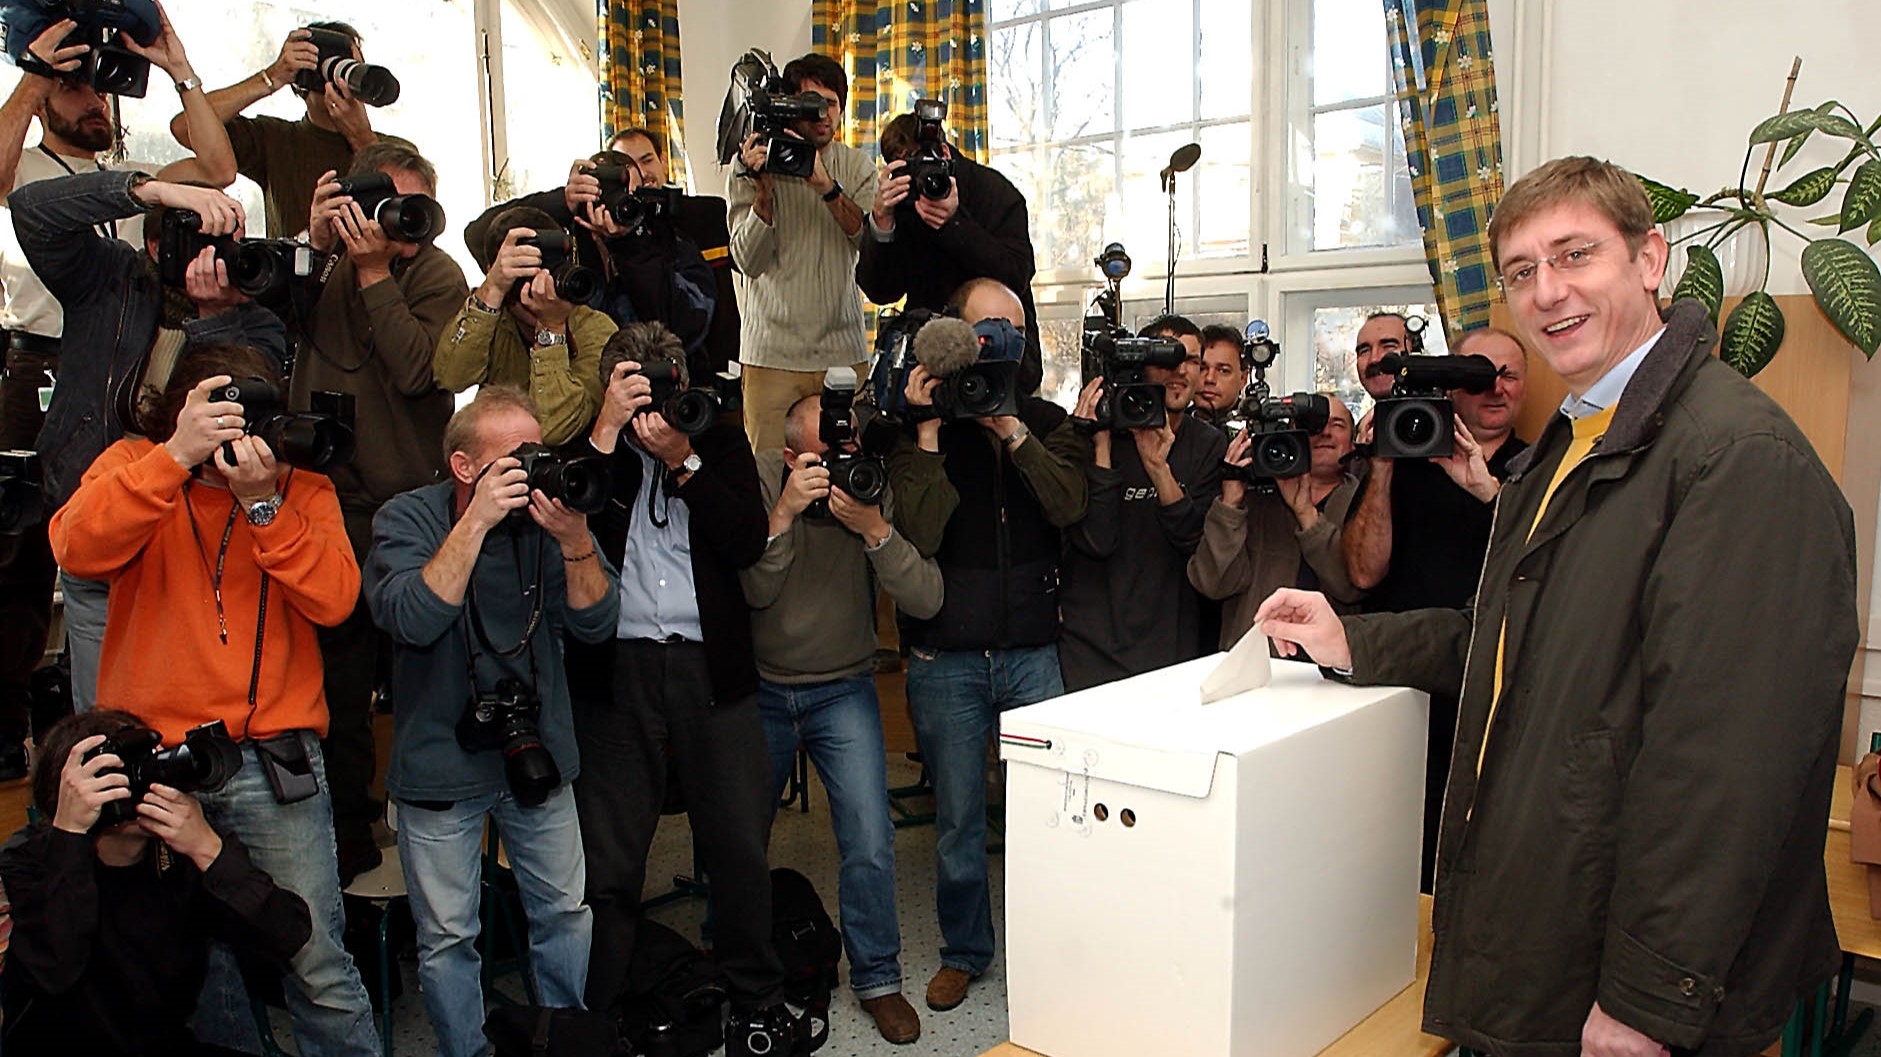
<point>85,602</point>
<point>840,723</point>
<point>956,697</point>
<point>294,843</point>
<point>442,852</point>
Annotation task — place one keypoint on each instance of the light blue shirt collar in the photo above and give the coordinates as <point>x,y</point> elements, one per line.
<point>1606,392</point>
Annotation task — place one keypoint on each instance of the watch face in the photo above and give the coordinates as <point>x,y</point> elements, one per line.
<point>693,463</point>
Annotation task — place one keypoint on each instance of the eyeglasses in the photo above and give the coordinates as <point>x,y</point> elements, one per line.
<point>1522,276</point>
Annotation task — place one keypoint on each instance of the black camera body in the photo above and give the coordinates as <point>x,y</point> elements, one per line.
<point>317,439</point>
<point>410,218</point>
<point>862,475</point>
<point>575,283</point>
<point>638,209</point>
<point>1418,420</point>
<point>690,411</point>
<point>1130,400</point>
<point>581,484</point>
<point>262,269</point>
<point>893,359</point>
<point>371,85</point>
<point>988,387</point>
<point>1283,429</point>
<point>22,492</point>
<point>103,26</point>
<point>759,102</point>
<point>930,169</point>
<point>505,721</point>
<point>204,762</point>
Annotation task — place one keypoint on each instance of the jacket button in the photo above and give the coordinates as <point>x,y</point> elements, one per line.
<point>1688,987</point>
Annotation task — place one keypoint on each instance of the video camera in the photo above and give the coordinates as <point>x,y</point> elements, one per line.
<point>1283,427</point>
<point>204,762</point>
<point>1130,400</point>
<point>575,283</point>
<point>758,102</point>
<point>929,169</point>
<point>317,439</point>
<point>406,218</point>
<point>262,269</point>
<point>371,85</point>
<point>22,492</point>
<point>506,721</point>
<point>581,484</point>
<point>861,474</point>
<point>103,25</point>
<point>1418,420</point>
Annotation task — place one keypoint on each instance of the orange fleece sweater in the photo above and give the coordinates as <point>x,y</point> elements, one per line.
<point>164,660</point>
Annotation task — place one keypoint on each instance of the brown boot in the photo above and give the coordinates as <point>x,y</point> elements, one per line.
<point>948,989</point>
<point>894,1017</point>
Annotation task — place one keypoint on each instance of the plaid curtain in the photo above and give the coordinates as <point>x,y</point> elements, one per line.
<point>1446,88</point>
<point>640,74</point>
<point>897,52</point>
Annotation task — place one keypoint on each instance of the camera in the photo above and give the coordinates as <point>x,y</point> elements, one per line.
<point>506,721</point>
<point>1283,429</point>
<point>263,269</point>
<point>635,210</point>
<point>1130,400</point>
<point>758,102</point>
<point>109,67</point>
<point>988,387</point>
<point>204,762</point>
<point>1418,421</point>
<point>371,85</point>
<point>581,484</point>
<point>690,411</point>
<point>22,492</point>
<point>405,218</point>
<point>861,475</point>
<point>894,358</point>
<point>317,439</point>
<point>574,282</point>
<point>929,169</point>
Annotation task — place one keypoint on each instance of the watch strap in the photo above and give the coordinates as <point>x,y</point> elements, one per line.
<point>834,192</point>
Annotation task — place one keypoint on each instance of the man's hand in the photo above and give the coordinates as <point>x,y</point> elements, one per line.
<point>582,188</point>
<point>1603,1036</point>
<point>1003,426</point>
<point>1240,456</point>
<point>920,387</point>
<point>206,281</point>
<point>1304,620</point>
<point>366,244</point>
<point>175,818</point>
<point>202,427</point>
<point>820,180</point>
<point>1088,398</point>
<point>568,527</point>
<point>627,392</point>
<point>349,115</point>
<point>1466,467</point>
<point>45,47</point>
<point>298,53</point>
<point>253,476</point>
<point>503,487</point>
<point>83,792</point>
<point>807,483</point>
<point>221,215</point>
<point>1153,445</point>
<point>599,219</point>
<point>166,52</point>
<point>754,152</point>
<point>936,213</point>
<point>328,204</point>
<point>1298,494</point>
<point>659,439</point>
<point>863,519</point>
<point>541,300</point>
<point>513,262</point>
<point>890,191</point>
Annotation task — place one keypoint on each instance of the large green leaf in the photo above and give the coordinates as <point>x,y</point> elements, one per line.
<point>1796,143</point>
<point>1752,334</point>
<point>1796,122</point>
<point>1703,279</point>
<point>1862,202</point>
<point>1667,203</point>
<point>1847,286</point>
<point>1874,232</point>
<point>1808,189</point>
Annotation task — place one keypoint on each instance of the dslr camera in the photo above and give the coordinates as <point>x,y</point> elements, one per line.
<point>581,484</point>
<point>690,411</point>
<point>405,218</point>
<point>506,721</point>
<point>1283,427</point>
<point>317,439</point>
<point>204,762</point>
<point>22,492</point>
<point>861,475</point>
<point>371,85</point>
<point>575,283</point>
<point>1418,421</point>
<point>758,102</point>
<point>104,25</point>
<point>930,169</point>
<point>636,210</point>
<point>263,269</point>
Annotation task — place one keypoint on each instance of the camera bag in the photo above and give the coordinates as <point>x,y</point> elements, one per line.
<point>810,947</point>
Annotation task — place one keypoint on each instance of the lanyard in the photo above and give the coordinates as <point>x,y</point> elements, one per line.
<point>222,556</point>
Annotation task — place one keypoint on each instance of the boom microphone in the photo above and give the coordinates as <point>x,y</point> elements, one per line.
<point>945,346</point>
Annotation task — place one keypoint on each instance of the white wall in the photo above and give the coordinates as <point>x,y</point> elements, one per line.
<point>712,35</point>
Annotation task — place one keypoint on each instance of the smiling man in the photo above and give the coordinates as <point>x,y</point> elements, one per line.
<point>1630,862</point>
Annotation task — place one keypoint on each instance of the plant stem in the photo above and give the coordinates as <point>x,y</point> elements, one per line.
<point>1731,227</point>
<point>1779,223</point>
<point>1769,156</point>
<point>1728,217</point>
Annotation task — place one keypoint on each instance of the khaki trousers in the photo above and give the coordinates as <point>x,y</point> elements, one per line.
<point>768,394</point>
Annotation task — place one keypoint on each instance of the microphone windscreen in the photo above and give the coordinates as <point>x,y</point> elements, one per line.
<point>945,346</point>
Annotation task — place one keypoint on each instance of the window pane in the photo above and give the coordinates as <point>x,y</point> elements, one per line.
<point>1225,177</point>
<point>1015,89</point>
<point>1144,206</point>
<point>1158,63</point>
<point>1335,332</point>
<point>551,107</point>
<point>1058,340</point>
<point>1083,88</point>
<point>1227,58</point>
<point>1000,10</point>
<point>1081,187</point>
<point>1349,198</point>
<point>1349,52</point>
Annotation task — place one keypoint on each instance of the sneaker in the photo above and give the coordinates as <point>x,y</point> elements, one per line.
<point>769,1032</point>
<point>894,1017</point>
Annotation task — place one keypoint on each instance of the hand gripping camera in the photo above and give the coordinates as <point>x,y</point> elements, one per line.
<point>204,762</point>
<point>371,85</point>
<point>1418,420</point>
<point>317,439</point>
<point>262,269</point>
<point>104,25</point>
<point>758,102</point>
<point>639,209</point>
<point>581,484</point>
<point>862,475</point>
<point>1108,350</point>
<point>575,283</point>
<point>1283,427</point>
<point>506,721</point>
<point>690,411</point>
<point>930,169</point>
<point>405,218</point>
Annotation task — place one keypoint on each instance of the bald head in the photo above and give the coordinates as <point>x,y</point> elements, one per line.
<point>979,299</point>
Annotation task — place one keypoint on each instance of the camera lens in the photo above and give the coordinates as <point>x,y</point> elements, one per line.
<point>311,442</point>
<point>411,218</point>
<point>692,412</point>
<point>1282,455</point>
<point>866,481</point>
<point>1138,406</point>
<point>575,284</point>
<point>531,770</point>
<point>197,765</point>
<point>1414,428</point>
<point>582,486</point>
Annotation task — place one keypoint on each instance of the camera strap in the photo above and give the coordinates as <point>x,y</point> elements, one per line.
<point>215,582</point>
<point>475,615</point>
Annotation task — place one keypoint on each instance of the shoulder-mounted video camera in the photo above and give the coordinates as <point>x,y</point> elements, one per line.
<point>317,439</point>
<point>103,25</point>
<point>977,365</point>
<point>1283,426</point>
<point>759,102</point>
<point>1108,350</point>
<point>1418,420</point>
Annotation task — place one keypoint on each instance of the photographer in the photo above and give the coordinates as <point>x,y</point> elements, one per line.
<point>516,329</point>
<point>221,569</point>
<point>372,332</point>
<point>111,927</point>
<point>458,568</point>
<point>287,157</point>
<point>652,272</point>
<point>812,597</point>
<point>1126,600</point>
<point>796,240</point>
<point>684,517</point>
<point>1285,533</point>
<point>987,498</point>
<point>131,326</point>
<point>1224,372</point>
<point>923,247</point>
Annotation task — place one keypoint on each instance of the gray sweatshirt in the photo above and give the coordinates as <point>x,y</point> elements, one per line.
<point>812,594</point>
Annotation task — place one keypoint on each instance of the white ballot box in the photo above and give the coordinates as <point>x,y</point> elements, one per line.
<point>1237,879</point>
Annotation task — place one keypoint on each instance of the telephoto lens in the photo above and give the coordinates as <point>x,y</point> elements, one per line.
<point>405,218</point>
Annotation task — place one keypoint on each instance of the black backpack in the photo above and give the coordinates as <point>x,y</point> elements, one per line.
<point>810,948</point>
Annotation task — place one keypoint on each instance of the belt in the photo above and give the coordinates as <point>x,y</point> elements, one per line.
<point>36,344</point>
<point>675,639</point>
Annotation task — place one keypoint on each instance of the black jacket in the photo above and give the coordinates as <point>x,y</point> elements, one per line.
<point>729,524</point>
<point>988,237</point>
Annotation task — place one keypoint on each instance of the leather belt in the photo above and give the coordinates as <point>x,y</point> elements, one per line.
<point>35,344</point>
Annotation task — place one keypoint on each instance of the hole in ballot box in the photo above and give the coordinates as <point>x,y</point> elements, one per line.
<point>1127,817</point>
<point>1102,813</point>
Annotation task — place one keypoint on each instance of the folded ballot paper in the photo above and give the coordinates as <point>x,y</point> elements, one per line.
<point>1246,667</point>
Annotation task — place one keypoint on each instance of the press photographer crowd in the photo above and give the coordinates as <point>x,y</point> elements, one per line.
<point>640,569</point>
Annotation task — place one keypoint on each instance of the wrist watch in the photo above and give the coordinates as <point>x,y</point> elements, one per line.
<point>1018,435</point>
<point>188,84</point>
<point>692,463</point>
<point>835,191</point>
<point>263,512</point>
<point>546,338</point>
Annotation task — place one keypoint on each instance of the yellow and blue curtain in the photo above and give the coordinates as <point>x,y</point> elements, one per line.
<point>897,52</point>
<point>640,73</point>
<point>1444,67</point>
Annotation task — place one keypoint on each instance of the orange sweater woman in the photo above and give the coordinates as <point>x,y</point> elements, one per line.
<point>178,652</point>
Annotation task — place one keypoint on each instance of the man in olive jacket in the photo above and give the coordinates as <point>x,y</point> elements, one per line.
<point>1630,860</point>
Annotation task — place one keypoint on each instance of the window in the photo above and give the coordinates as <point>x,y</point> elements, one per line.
<point>1335,327</point>
<point>553,111</point>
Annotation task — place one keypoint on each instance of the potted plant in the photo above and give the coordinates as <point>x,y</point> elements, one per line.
<point>1841,275</point>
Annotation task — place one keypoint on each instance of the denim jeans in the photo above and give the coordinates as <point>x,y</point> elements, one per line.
<point>294,843</point>
<point>840,723</point>
<point>85,602</point>
<point>442,852</point>
<point>956,697</point>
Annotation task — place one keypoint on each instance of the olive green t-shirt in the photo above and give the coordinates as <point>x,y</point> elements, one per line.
<point>287,158</point>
